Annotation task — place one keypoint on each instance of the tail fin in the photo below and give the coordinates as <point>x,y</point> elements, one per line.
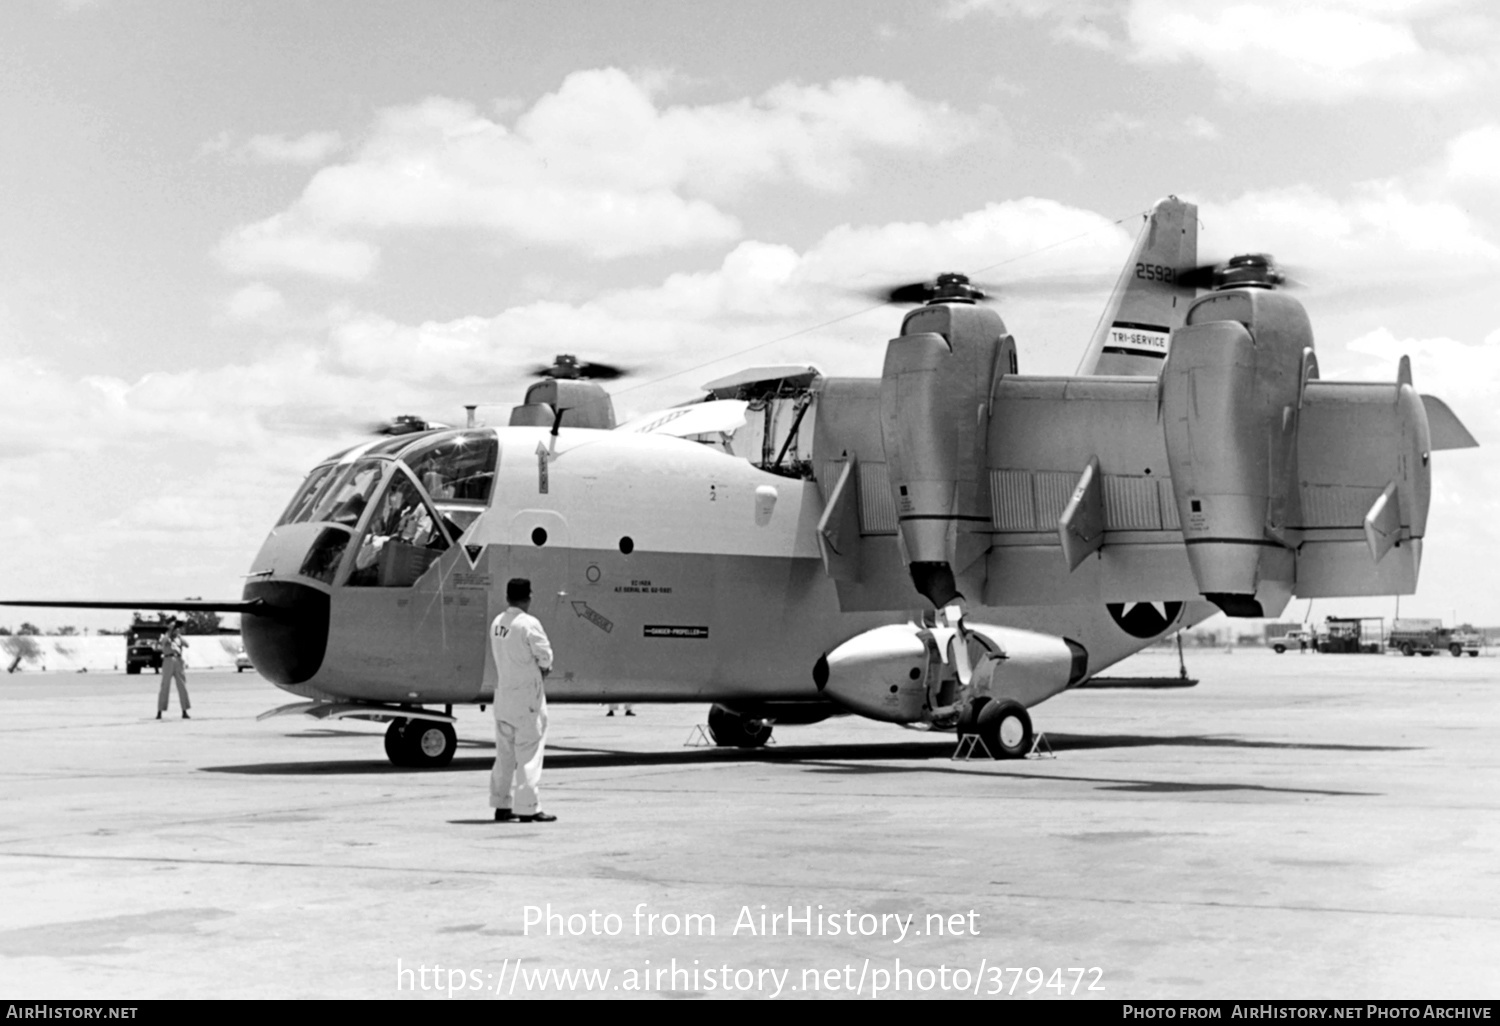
<point>1147,305</point>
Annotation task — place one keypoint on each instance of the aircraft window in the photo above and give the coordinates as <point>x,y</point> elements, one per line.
<point>456,468</point>
<point>323,558</point>
<point>344,501</point>
<point>403,538</point>
<point>307,496</point>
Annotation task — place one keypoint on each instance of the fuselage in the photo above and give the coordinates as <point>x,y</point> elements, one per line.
<point>663,570</point>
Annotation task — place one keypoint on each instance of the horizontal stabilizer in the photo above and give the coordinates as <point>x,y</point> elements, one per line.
<point>1448,432</point>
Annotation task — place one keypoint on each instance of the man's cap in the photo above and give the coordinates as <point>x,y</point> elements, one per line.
<point>518,589</point>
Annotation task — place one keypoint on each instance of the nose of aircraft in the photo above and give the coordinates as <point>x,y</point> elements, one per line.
<point>286,642</point>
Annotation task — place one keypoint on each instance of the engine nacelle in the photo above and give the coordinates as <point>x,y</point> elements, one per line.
<point>935,394</point>
<point>909,673</point>
<point>1231,396</point>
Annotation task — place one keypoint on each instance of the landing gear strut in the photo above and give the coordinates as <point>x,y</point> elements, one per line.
<point>731,729</point>
<point>420,744</point>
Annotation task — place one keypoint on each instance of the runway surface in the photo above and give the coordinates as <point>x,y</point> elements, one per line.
<point>1295,826</point>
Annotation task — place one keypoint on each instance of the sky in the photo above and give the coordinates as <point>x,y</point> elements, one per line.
<point>236,234</point>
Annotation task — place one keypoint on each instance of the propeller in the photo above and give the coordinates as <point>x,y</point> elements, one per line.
<point>405,424</point>
<point>568,367</point>
<point>954,287</point>
<point>1252,270</point>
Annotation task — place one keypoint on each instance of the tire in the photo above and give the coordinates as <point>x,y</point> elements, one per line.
<point>1474,653</point>
<point>1407,649</point>
<point>395,742</point>
<point>1427,653</point>
<point>132,670</point>
<point>1456,649</point>
<point>1280,649</point>
<point>731,729</point>
<point>1005,728</point>
<point>420,744</point>
<point>430,744</point>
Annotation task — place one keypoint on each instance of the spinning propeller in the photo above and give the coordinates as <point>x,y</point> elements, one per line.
<point>567,367</point>
<point>405,424</point>
<point>952,287</point>
<point>1248,270</point>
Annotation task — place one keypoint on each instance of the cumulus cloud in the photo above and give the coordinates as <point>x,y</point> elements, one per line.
<point>289,242</point>
<point>255,302</point>
<point>1318,51</point>
<point>309,148</point>
<point>1380,234</point>
<point>597,166</point>
<point>1297,51</point>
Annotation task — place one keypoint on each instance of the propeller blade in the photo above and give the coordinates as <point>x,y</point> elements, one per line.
<point>960,287</point>
<point>567,367</point>
<point>913,292</point>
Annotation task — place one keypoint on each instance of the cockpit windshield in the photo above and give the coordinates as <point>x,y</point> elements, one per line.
<point>344,501</point>
<point>457,471</point>
<point>307,496</point>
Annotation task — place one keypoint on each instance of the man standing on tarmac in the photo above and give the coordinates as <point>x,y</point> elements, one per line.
<point>171,645</point>
<point>523,657</point>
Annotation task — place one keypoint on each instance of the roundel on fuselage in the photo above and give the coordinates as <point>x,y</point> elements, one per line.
<point>1144,619</point>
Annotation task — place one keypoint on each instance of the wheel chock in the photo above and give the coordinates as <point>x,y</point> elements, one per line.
<point>966,749</point>
<point>1041,748</point>
<point>698,738</point>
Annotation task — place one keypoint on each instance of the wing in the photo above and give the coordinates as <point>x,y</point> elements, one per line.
<point>1078,503</point>
<point>253,606</point>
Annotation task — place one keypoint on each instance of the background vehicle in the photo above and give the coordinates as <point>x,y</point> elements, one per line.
<point>1351,635</point>
<point>1425,637</point>
<point>1299,638</point>
<point>140,644</point>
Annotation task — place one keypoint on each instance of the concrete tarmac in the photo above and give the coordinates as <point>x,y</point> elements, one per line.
<point>1294,827</point>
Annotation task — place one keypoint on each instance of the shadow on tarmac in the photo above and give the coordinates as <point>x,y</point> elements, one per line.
<point>935,752</point>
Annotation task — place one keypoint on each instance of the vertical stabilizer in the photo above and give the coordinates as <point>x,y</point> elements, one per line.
<point>1147,304</point>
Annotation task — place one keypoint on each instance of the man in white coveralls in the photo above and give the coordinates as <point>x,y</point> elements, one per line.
<point>523,658</point>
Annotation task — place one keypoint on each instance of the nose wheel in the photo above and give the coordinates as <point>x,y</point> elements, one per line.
<point>420,744</point>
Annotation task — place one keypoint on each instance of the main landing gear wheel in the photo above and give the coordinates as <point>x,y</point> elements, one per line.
<point>420,744</point>
<point>731,729</point>
<point>1005,728</point>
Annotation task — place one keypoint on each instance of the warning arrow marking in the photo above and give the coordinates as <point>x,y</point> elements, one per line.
<point>593,617</point>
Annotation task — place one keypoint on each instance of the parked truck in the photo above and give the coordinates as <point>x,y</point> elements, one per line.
<point>1426,637</point>
<point>1294,637</point>
<point>140,644</point>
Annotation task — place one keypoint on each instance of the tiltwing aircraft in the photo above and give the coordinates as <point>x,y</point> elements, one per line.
<point>949,544</point>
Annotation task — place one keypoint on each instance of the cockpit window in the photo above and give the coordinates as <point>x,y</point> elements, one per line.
<point>404,536</point>
<point>344,501</point>
<point>458,472</point>
<point>459,467</point>
<point>307,496</point>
